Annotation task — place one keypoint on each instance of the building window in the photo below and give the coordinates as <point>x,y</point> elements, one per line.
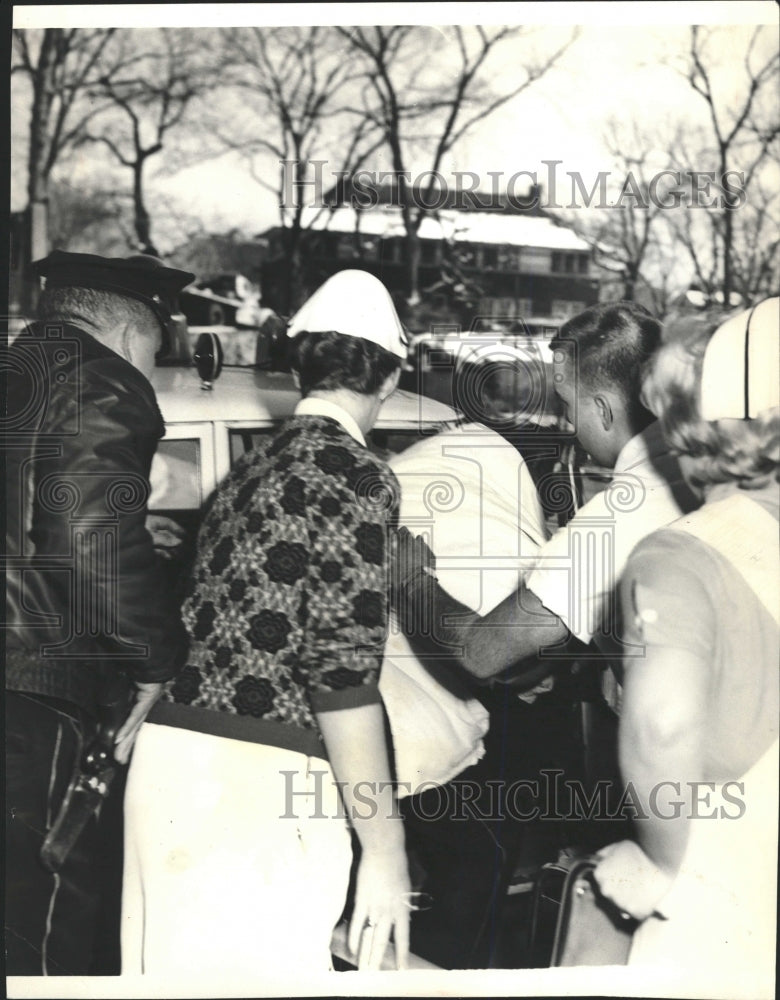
<point>345,248</point>
<point>505,307</point>
<point>369,248</point>
<point>354,246</point>
<point>466,255</point>
<point>391,251</point>
<point>570,263</point>
<point>535,260</point>
<point>508,258</point>
<point>429,251</point>
<point>565,308</point>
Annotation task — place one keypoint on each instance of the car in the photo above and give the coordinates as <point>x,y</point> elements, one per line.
<point>207,430</point>
<point>508,376</point>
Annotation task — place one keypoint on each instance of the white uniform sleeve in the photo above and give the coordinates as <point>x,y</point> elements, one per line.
<point>576,571</point>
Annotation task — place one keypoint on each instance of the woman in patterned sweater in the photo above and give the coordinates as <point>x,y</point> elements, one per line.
<point>238,849</point>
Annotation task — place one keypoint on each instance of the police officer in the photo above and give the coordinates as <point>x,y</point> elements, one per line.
<point>85,604</point>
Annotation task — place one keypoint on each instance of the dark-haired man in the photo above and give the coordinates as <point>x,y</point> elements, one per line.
<point>567,597</point>
<point>85,600</point>
<point>599,356</point>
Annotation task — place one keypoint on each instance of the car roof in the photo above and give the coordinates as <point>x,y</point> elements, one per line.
<point>247,394</point>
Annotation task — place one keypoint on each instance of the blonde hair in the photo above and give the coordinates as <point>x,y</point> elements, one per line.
<point>719,451</point>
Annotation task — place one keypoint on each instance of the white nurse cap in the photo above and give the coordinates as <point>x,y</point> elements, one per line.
<point>356,304</point>
<point>740,375</point>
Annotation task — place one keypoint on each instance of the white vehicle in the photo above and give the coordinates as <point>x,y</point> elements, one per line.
<point>207,430</point>
<point>506,376</point>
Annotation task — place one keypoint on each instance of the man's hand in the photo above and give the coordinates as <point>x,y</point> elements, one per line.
<point>167,535</point>
<point>145,696</point>
<point>629,878</point>
<point>382,908</point>
<point>410,556</point>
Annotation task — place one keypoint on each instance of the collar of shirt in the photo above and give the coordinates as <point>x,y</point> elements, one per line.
<point>642,448</point>
<point>311,406</point>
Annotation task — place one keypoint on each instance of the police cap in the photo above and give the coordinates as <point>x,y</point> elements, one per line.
<point>140,277</point>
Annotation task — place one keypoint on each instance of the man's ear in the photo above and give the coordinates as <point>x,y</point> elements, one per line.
<point>605,410</point>
<point>390,384</point>
<point>127,342</point>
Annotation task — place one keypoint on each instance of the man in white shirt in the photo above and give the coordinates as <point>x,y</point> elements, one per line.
<point>469,491</point>
<point>598,361</point>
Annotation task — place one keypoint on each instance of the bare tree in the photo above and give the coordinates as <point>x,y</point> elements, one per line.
<point>59,65</point>
<point>162,72</point>
<point>291,84</point>
<point>756,248</point>
<point>86,218</point>
<point>714,211</point>
<point>423,106</point>
<point>743,134</point>
<point>625,227</point>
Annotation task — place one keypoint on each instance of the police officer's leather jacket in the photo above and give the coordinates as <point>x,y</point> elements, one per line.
<point>84,596</point>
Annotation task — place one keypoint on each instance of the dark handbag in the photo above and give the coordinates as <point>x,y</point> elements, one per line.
<point>573,924</point>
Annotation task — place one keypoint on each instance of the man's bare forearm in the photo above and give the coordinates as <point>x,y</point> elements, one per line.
<point>484,645</point>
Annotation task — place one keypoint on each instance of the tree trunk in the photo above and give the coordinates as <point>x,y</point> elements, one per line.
<point>142,222</point>
<point>629,283</point>
<point>728,239</point>
<point>43,84</point>
<point>292,282</point>
<point>412,268</point>
<point>728,236</point>
<point>38,163</point>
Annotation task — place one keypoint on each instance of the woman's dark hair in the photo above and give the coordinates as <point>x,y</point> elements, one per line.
<point>332,360</point>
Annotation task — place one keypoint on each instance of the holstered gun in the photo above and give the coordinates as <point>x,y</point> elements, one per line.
<point>92,781</point>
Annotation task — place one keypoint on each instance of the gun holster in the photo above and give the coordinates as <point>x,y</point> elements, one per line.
<point>92,779</point>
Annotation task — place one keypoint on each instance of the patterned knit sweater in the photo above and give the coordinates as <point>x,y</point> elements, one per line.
<point>287,603</point>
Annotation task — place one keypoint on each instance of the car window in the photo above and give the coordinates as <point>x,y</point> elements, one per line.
<point>244,439</point>
<point>176,480</point>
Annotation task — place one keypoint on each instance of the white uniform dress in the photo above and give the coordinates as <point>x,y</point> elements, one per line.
<point>717,922</point>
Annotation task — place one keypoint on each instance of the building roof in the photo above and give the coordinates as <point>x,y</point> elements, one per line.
<point>379,191</point>
<point>462,227</point>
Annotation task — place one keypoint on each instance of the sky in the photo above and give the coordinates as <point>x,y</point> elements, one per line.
<point>621,65</point>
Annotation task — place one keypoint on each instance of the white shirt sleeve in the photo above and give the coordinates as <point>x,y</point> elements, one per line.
<point>577,569</point>
<point>577,572</point>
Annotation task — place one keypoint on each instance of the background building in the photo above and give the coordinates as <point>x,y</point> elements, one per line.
<point>482,258</point>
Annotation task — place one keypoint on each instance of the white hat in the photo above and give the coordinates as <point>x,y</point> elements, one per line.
<point>356,304</point>
<point>740,375</point>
